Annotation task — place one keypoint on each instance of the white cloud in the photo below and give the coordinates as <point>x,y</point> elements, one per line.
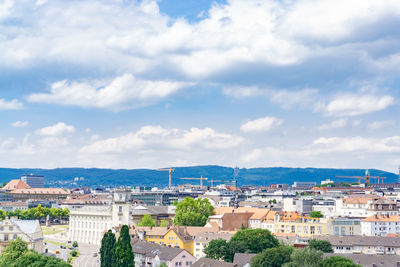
<point>56,129</point>
<point>20,124</point>
<point>334,124</point>
<point>261,125</point>
<point>353,105</point>
<point>123,92</point>
<point>10,105</point>
<point>159,138</point>
<point>375,125</point>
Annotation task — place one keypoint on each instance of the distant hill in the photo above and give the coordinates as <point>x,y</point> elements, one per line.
<point>122,177</point>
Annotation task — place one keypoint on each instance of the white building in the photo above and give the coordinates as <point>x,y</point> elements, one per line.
<point>28,230</point>
<point>380,225</point>
<point>88,222</point>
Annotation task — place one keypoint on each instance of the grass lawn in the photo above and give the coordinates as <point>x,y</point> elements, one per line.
<point>56,243</point>
<point>54,229</point>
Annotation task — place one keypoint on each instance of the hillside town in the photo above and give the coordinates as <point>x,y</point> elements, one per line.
<point>360,220</point>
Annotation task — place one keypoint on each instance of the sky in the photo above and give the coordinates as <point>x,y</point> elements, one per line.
<point>247,83</point>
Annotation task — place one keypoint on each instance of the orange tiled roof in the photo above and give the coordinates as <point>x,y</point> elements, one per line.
<point>382,218</point>
<point>47,191</point>
<point>15,184</point>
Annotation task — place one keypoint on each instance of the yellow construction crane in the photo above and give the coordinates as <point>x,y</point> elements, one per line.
<point>170,170</point>
<point>201,180</point>
<point>367,178</point>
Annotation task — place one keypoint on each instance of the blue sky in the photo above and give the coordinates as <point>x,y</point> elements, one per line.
<point>144,84</point>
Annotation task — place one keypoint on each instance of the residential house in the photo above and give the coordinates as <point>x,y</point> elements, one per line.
<point>380,225</point>
<point>363,244</point>
<point>151,255</point>
<point>203,239</point>
<point>12,206</point>
<point>344,226</point>
<point>371,260</point>
<point>303,226</point>
<point>205,262</point>
<point>28,230</point>
<point>177,236</point>
<point>243,259</point>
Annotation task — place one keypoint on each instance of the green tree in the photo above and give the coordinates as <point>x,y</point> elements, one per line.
<point>15,249</point>
<point>307,257</point>
<point>147,221</point>
<point>164,223</point>
<point>163,264</point>
<point>16,254</point>
<point>316,214</point>
<point>193,212</point>
<point>75,243</point>
<point>338,261</point>
<point>2,214</point>
<point>233,247</point>
<point>322,245</point>
<point>273,257</point>
<point>107,250</point>
<point>123,249</point>
<point>216,249</point>
<point>255,240</point>
<point>346,184</point>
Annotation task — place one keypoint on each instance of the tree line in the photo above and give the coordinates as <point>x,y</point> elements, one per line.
<point>38,212</point>
<point>271,253</point>
<point>117,253</point>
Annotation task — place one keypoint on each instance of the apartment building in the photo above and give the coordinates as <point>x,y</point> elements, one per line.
<point>380,225</point>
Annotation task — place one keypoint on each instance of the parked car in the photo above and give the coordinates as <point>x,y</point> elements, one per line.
<point>94,254</point>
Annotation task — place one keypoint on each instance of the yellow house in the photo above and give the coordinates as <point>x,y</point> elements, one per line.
<point>177,236</point>
<point>302,227</point>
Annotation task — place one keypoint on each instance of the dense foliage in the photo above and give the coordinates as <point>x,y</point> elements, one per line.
<point>307,257</point>
<point>338,261</point>
<point>147,221</point>
<point>16,254</point>
<point>244,241</point>
<point>193,212</point>
<point>123,249</point>
<point>316,214</point>
<point>107,250</point>
<point>273,257</point>
<point>38,213</point>
<point>322,245</point>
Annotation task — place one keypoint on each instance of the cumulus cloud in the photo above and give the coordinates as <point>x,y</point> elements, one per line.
<point>375,125</point>
<point>261,125</point>
<point>353,105</point>
<point>334,124</point>
<point>56,129</point>
<point>121,93</point>
<point>20,124</point>
<point>157,137</point>
<point>10,105</point>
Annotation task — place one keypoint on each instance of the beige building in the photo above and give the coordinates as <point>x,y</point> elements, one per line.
<point>27,230</point>
<point>202,239</point>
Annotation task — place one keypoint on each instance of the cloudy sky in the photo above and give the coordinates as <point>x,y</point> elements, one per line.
<point>144,84</point>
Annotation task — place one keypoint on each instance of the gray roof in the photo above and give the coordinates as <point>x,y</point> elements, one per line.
<point>152,210</point>
<point>204,262</point>
<point>212,236</point>
<point>151,250</point>
<point>241,259</point>
<point>358,240</point>
<point>26,226</point>
<point>371,260</point>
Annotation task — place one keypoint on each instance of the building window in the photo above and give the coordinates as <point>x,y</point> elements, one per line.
<point>15,236</point>
<point>6,237</point>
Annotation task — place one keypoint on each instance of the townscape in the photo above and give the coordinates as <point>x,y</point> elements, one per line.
<point>201,133</point>
<point>198,224</point>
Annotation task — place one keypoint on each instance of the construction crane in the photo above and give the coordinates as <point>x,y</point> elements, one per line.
<point>367,178</point>
<point>212,182</point>
<point>170,170</point>
<point>201,180</point>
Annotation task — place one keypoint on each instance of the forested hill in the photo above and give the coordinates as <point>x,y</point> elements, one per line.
<point>148,177</point>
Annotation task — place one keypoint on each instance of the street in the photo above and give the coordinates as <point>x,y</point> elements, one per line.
<point>86,258</point>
